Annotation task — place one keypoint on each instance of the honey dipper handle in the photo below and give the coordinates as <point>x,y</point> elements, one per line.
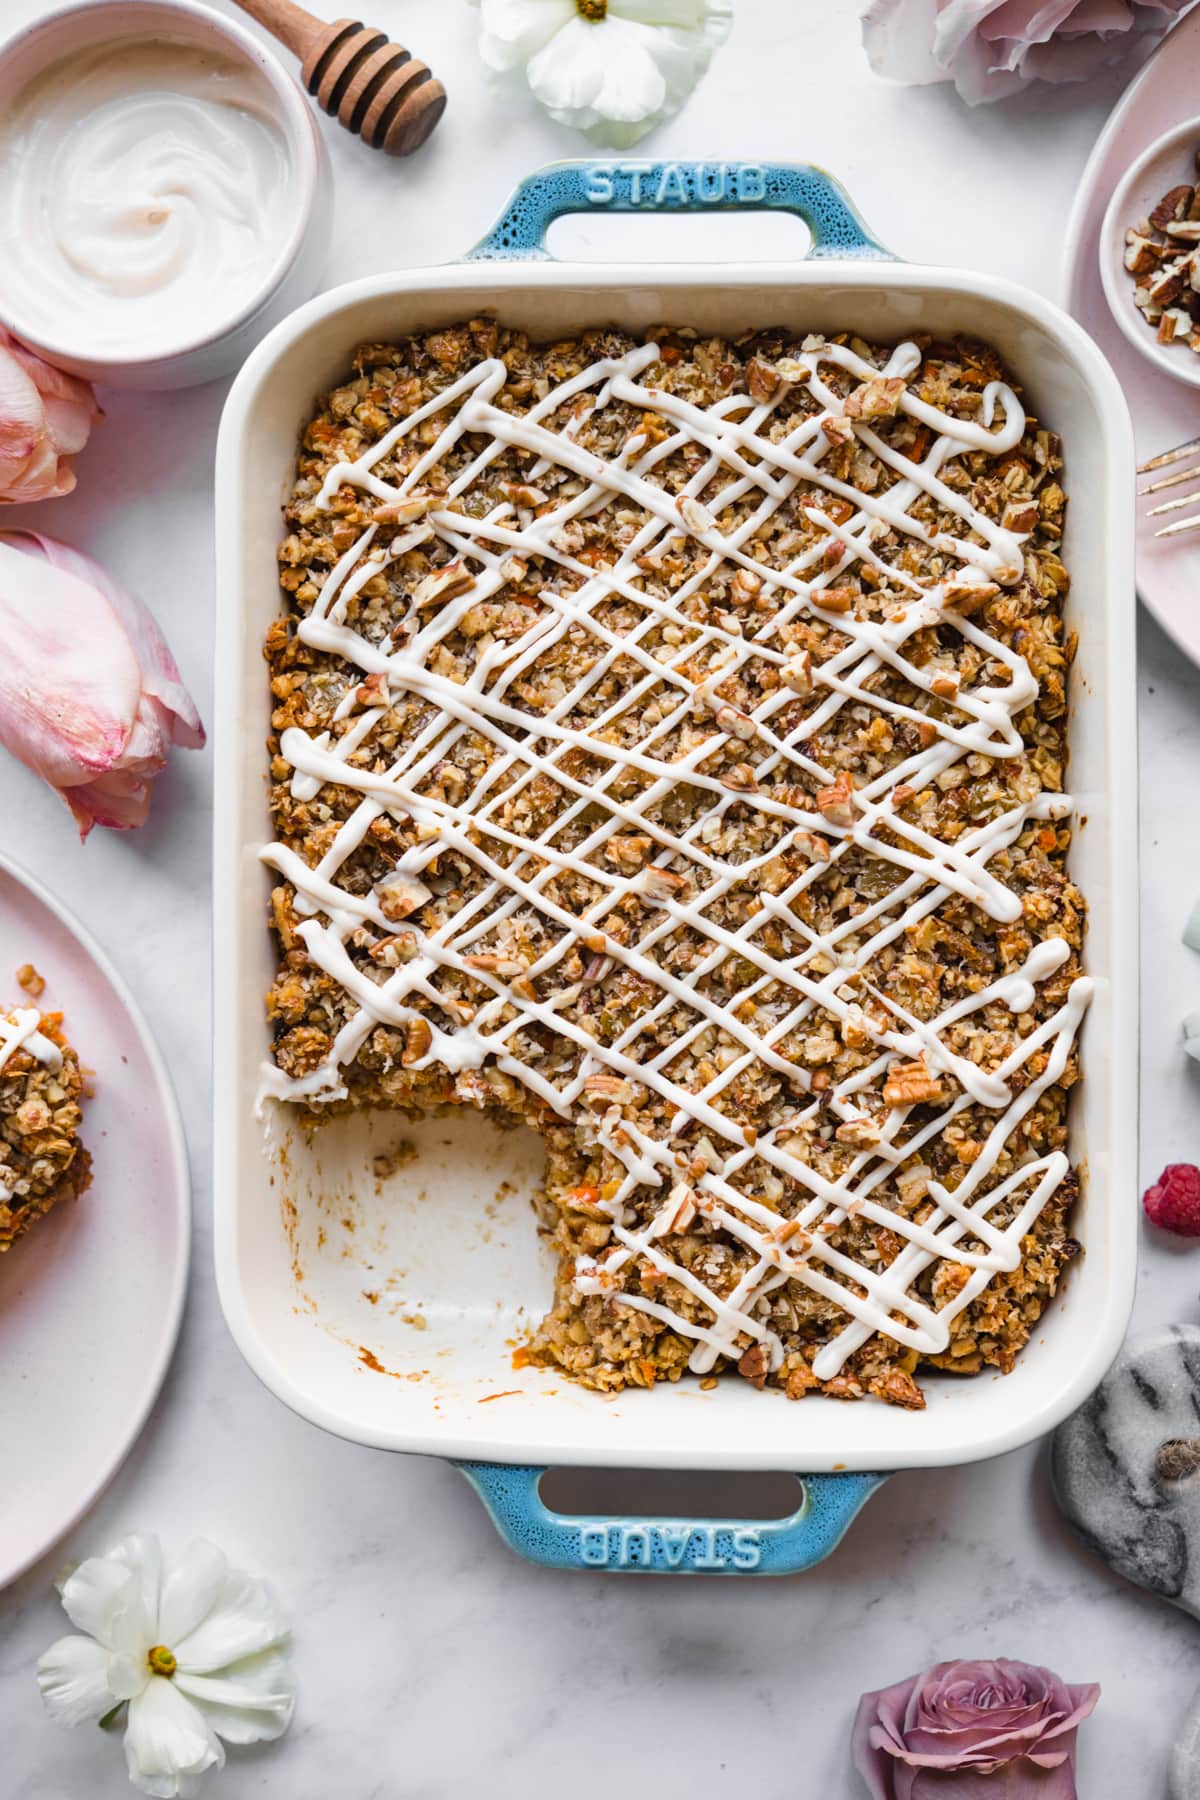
<point>287,22</point>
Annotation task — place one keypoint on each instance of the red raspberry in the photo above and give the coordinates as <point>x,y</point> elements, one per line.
<point>1173,1203</point>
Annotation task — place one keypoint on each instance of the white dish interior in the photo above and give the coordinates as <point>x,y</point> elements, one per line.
<point>385,1308</point>
<point>1169,162</point>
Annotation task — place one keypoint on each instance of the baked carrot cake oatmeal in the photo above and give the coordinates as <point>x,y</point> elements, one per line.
<point>668,753</point>
<point>41,1158</point>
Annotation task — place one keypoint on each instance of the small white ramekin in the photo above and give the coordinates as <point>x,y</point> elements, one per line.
<point>1169,162</point>
<point>297,269</point>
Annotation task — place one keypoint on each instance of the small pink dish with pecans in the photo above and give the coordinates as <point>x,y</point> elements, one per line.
<point>1150,252</point>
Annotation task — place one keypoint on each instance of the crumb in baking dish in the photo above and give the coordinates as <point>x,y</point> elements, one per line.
<point>668,752</point>
<point>41,1158</point>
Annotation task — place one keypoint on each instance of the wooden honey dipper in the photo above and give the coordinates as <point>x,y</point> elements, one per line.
<point>377,89</point>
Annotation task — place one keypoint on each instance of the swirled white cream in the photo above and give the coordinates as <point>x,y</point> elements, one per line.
<point>144,200</point>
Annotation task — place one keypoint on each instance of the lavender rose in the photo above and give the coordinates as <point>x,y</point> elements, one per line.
<point>989,48</point>
<point>972,1731</point>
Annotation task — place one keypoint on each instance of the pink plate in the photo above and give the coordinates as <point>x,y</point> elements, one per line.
<point>1165,412</point>
<point>91,1299</point>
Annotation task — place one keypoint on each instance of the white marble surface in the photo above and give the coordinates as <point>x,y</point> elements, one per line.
<point>431,1661</point>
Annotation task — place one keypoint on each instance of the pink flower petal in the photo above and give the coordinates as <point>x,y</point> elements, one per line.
<point>990,48</point>
<point>90,696</point>
<point>118,800</point>
<point>21,420</point>
<point>69,679</point>
<point>971,1730</point>
<point>68,423</point>
<point>45,417</point>
<point>161,679</point>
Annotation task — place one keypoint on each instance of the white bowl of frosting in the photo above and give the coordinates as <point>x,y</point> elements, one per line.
<point>165,194</point>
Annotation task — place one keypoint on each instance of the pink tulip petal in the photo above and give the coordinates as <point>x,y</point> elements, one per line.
<point>68,424</point>
<point>20,416</point>
<point>120,801</point>
<point>76,704</point>
<point>47,378</point>
<point>160,673</point>
<point>45,417</point>
<point>69,679</point>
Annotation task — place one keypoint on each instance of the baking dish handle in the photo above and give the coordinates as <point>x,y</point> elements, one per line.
<point>666,1546</point>
<point>519,235</point>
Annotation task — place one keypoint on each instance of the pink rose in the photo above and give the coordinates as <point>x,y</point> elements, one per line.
<point>972,1731</point>
<point>90,697</point>
<point>45,417</point>
<point>989,48</point>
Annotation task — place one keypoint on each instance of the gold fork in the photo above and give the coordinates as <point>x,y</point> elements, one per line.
<point>1174,480</point>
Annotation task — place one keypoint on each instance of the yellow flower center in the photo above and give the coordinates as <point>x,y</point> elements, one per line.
<point>591,9</point>
<point>161,1660</point>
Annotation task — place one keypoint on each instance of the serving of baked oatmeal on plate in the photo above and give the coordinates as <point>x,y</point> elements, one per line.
<point>41,1086</point>
<point>669,753</point>
<point>91,1292</point>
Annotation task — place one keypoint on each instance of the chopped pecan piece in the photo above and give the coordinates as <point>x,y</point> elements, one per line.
<point>837,428</point>
<point>836,802</point>
<point>373,691</point>
<point>665,884</point>
<point>402,896</point>
<point>812,845</point>
<point>858,1133</point>
<point>878,398</point>
<point>695,517</point>
<point>628,850</point>
<point>762,381</point>
<point>608,1090</point>
<point>447,583</point>
<point>737,724</point>
<point>797,673</point>
<point>1142,255</point>
<point>745,586</point>
<point>1173,205</point>
<point>418,1041</point>
<point>911,1084</point>
<point>404,510</point>
<point>741,778</point>
<point>521,493</point>
<point>390,952</point>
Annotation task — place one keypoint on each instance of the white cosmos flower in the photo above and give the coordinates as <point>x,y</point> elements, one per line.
<point>610,68</point>
<point>195,1647</point>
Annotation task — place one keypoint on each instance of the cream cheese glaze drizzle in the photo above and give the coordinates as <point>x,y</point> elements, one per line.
<point>983,721</point>
<point>145,196</point>
<point>22,1031</point>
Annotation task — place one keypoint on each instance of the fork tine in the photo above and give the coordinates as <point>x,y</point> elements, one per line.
<point>1167,506</point>
<point>1169,456</point>
<point>1180,525</point>
<point>1167,481</point>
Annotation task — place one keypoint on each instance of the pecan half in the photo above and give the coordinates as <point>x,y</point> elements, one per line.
<point>911,1084</point>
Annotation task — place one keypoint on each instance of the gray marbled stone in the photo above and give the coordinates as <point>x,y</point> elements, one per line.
<point>1135,1505</point>
<point>1183,1781</point>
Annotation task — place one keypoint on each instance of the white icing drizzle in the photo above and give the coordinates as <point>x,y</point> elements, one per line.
<point>21,1030</point>
<point>981,719</point>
